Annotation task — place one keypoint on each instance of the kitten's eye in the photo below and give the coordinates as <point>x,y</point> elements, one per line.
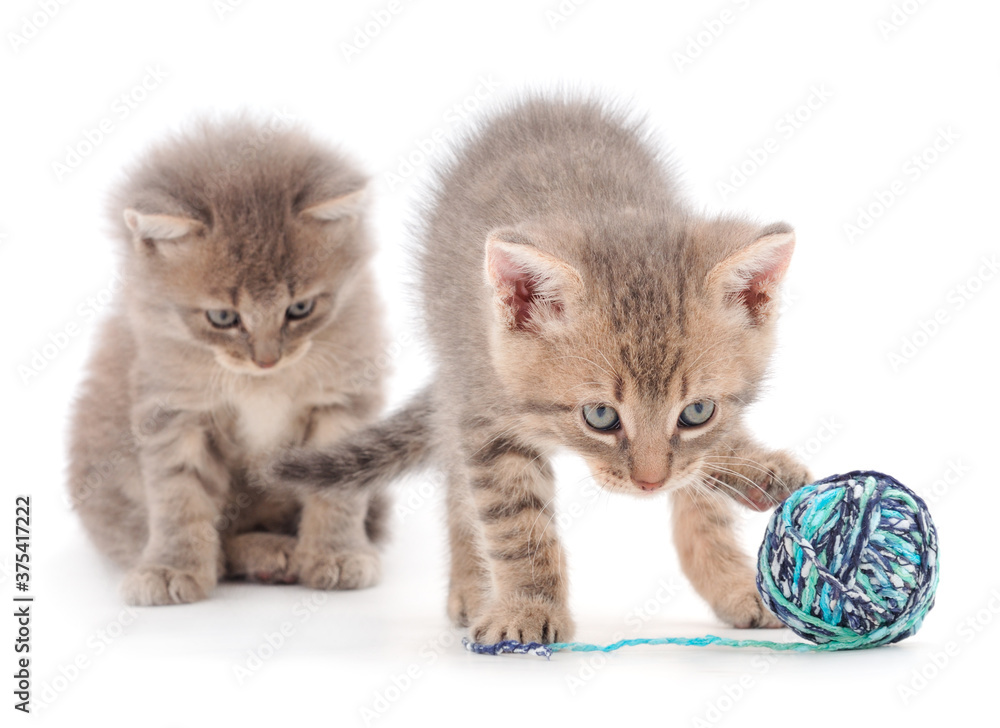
<point>601,417</point>
<point>697,413</point>
<point>301,309</point>
<point>223,318</point>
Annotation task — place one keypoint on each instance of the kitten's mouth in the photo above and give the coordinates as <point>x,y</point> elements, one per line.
<point>629,487</point>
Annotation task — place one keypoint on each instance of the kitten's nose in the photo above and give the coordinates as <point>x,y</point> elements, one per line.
<point>648,486</point>
<point>265,353</point>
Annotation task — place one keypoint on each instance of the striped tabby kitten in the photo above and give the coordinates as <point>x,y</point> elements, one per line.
<point>573,301</point>
<point>248,310</point>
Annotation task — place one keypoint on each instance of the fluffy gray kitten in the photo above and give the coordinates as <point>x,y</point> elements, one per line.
<point>248,311</point>
<point>574,301</point>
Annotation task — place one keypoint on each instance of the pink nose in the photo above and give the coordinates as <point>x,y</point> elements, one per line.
<point>265,363</point>
<point>648,486</point>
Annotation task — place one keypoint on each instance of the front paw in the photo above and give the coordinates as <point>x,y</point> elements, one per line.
<point>321,569</point>
<point>152,584</point>
<point>742,608</point>
<point>765,481</point>
<point>525,619</point>
<point>784,476</point>
<point>260,556</point>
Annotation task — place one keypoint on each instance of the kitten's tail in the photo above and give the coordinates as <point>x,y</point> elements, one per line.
<point>368,459</point>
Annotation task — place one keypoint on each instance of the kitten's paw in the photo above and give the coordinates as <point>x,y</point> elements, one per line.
<point>261,556</point>
<point>525,619</point>
<point>465,602</point>
<point>784,476</point>
<point>150,585</point>
<point>744,609</point>
<point>336,569</point>
<point>766,481</point>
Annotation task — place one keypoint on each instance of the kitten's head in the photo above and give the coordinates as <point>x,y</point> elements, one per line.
<point>242,238</point>
<point>639,355</point>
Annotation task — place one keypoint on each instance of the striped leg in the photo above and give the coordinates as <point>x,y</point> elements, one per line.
<point>512,488</point>
<point>185,487</point>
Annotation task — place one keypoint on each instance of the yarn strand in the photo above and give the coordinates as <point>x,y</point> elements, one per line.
<point>547,650</point>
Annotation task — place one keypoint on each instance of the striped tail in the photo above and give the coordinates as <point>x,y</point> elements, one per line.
<point>368,459</point>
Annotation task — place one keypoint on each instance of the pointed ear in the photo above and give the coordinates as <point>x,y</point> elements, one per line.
<point>337,208</point>
<point>159,227</point>
<point>750,278</point>
<point>530,287</point>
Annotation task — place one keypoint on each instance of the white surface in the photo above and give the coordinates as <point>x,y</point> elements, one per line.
<point>835,393</point>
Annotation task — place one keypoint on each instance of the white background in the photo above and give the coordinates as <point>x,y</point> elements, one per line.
<point>858,382</point>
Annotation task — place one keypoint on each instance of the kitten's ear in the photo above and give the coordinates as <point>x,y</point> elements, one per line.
<point>337,208</point>
<point>750,277</point>
<point>530,287</point>
<point>159,227</point>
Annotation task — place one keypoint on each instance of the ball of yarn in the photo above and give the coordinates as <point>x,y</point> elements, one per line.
<point>851,560</point>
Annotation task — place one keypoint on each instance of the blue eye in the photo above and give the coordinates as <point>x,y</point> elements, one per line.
<point>697,413</point>
<point>301,309</point>
<point>223,318</point>
<point>601,417</point>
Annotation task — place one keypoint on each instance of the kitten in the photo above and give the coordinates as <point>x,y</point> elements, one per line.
<point>248,310</point>
<point>574,301</point>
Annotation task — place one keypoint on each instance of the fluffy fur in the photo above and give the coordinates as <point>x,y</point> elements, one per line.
<point>560,270</point>
<point>261,223</point>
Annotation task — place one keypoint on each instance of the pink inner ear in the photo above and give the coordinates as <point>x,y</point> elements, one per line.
<point>518,289</point>
<point>758,291</point>
<point>520,300</point>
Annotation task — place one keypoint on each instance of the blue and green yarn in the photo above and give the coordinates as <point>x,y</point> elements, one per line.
<point>848,562</point>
